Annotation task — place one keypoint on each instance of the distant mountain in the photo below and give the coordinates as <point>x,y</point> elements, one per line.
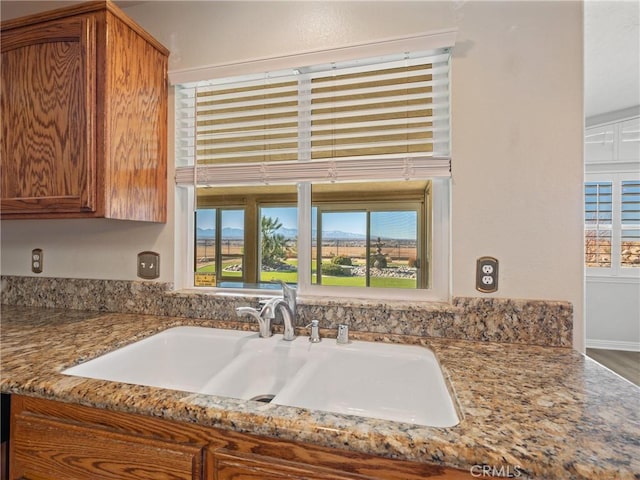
<point>205,233</point>
<point>287,232</point>
<point>227,232</point>
<point>339,235</point>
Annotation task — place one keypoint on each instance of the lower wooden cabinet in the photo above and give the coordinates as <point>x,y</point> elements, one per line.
<point>231,467</point>
<point>54,441</point>
<point>52,449</point>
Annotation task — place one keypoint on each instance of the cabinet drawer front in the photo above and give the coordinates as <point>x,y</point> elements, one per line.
<point>231,467</point>
<point>48,449</point>
<point>48,97</point>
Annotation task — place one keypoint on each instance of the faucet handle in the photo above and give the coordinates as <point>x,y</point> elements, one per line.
<point>268,309</point>
<point>343,334</point>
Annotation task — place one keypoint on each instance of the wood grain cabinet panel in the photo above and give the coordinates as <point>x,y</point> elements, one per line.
<point>229,467</point>
<point>84,117</point>
<point>54,450</point>
<point>50,440</point>
<point>319,464</point>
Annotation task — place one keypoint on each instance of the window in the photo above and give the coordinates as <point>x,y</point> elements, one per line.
<point>630,223</point>
<point>220,245</point>
<point>598,223</point>
<point>612,223</point>
<point>281,160</point>
<point>369,235</point>
<point>255,231</point>
<point>612,199</point>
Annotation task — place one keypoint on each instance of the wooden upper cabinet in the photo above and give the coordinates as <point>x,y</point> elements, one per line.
<point>84,117</point>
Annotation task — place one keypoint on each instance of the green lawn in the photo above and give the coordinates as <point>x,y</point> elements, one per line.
<point>378,282</point>
<point>207,269</point>
<point>292,277</point>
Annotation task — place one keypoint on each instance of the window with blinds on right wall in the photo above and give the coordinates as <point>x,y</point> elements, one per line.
<point>630,223</point>
<point>612,199</point>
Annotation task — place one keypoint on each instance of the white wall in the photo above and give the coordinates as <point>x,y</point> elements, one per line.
<point>517,111</point>
<point>612,313</point>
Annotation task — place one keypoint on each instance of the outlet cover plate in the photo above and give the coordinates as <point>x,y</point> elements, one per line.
<point>487,274</point>
<point>36,260</point>
<point>148,265</point>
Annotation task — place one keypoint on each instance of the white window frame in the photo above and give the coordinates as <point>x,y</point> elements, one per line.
<point>616,269</point>
<point>441,187</point>
<point>615,166</point>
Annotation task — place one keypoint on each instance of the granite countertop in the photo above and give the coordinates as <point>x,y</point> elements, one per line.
<point>539,412</point>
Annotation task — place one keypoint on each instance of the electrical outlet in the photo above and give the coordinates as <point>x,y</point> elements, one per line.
<point>487,274</point>
<point>36,260</point>
<point>148,265</point>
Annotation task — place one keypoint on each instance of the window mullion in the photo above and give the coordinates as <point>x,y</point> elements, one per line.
<point>304,188</point>
<point>616,225</point>
<point>368,251</point>
<point>218,245</point>
<point>304,237</point>
<point>252,263</point>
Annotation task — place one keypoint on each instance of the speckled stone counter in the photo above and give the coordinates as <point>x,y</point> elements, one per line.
<point>543,412</point>
<point>526,321</point>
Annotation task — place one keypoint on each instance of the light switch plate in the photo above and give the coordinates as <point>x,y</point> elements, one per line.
<point>487,274</point>
<point>148,265</point>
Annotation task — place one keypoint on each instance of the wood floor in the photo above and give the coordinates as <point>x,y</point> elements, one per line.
<point>625,364</point>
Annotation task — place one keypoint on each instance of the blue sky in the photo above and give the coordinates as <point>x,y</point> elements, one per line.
<point>401,225</point>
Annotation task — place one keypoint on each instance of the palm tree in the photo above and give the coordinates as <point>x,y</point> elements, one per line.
<point>273,245</point>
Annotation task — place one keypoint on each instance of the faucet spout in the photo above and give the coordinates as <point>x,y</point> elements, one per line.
<point>264,322</point>
<point>288,293</point>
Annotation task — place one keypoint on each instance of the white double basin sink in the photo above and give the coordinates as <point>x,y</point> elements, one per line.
<point>400,383</point>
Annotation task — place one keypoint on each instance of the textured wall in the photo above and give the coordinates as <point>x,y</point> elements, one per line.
<point>517,122</point>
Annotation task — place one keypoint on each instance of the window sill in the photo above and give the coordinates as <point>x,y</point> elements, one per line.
<point>631,279</point>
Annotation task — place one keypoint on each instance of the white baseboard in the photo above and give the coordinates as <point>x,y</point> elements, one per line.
<point>613,345</point>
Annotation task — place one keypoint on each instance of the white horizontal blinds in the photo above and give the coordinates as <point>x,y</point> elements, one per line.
<point>630,220</point>
<point>630,198</point>
<point>185,125</point>
<point>247,121</point>
<point>380,110</point>
<point>373,119</point>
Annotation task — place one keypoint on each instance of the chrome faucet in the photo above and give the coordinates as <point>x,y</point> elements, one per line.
<point>287,306</point>
<point>288,315</point>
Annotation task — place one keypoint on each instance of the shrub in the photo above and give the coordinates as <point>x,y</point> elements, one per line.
<point>334,270</point>
<point>411,262</point>
<point>341,260</point>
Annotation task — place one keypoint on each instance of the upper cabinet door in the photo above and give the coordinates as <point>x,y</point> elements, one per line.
<point>630,140</point>
<point>48,100</point>
<point>600,144</point>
